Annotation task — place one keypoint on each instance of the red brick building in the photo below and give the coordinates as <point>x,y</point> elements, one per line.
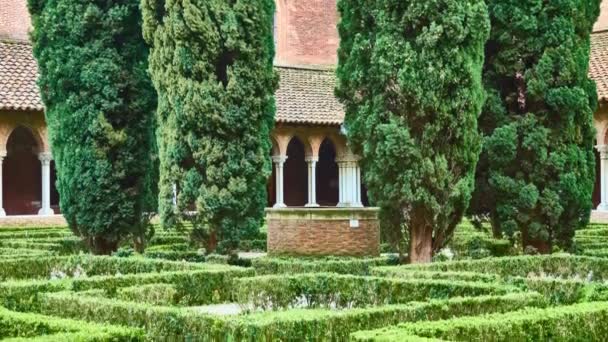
<point>313,165</point>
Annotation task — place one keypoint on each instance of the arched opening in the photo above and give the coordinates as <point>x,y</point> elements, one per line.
<point>271,190</point>
<point>54,191</point>
<point>21,181</point>
<point>327,175</point>
<point>295,176</point>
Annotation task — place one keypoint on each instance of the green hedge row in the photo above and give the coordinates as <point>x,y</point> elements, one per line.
<point>170,323</point>
<point>155,294</point>
<point>342,265</point>
<point>347,291</point>
<point>558,265</point>
<point>191,256</point>
<point>29,326</point>
<point>400,272</point>
<point>579,322</point>
<point>37,268</point>
<point>211,284</point>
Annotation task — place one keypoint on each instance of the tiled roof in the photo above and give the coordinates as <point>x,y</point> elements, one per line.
<point>598,65</point>
<point>307,96</point>
<point>18,73</point>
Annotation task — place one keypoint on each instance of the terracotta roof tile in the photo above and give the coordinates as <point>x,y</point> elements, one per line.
<point>18,73</point>
<point>307,96</point>
<point>598,64</point>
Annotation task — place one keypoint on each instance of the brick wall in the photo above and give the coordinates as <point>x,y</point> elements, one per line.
<point>306,32</point>
<point>323,231</point>
<point>14,20</point>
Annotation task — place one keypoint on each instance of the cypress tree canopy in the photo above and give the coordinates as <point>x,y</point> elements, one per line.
<point>536,171</point>
<point>211,64</point>
<point>410,78</point>
<point>99,105</point>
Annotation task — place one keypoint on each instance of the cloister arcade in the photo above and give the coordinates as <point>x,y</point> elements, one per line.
<point>27,172</point>
<point>313,167</point>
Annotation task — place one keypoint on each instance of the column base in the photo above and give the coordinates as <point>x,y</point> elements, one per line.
<point>2,212</point>
<point>602,207</point>
<point>46,212</point>
<point>279,205</point>
<point>311,205</point>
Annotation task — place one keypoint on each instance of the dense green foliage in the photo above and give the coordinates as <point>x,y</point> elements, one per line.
<point>410,78</point>
<point>211,64</point>
<point>99,105</point>
<point>580,322</point>
<point>536,171</point>
<point>136,298</point>
<point>348,291</point>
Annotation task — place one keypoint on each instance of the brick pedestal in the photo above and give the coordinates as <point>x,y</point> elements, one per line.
<point>323,231</point>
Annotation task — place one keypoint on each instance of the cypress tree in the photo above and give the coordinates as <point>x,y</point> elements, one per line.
<point>536,171</point>
<point>99,109</point>
<point>410,79</point>
<point>211,64</point>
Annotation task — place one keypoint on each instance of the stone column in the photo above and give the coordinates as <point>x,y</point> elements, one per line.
<point>2,212</point>
<point>45,158</point>
<point>312,181</point>
<point>603,149</point>
<point>350,183</point>
<point>279,163</point>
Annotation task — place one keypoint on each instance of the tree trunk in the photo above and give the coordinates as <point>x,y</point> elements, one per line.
<point>421,244</point>
<point>102,246</point>
<point>541,246</point>
<point>211,244</point>
<point>139,243</point>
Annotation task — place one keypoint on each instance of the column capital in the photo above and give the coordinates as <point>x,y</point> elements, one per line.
<point>45,157</point>
<point>279,159</point>
<point>312,159</point>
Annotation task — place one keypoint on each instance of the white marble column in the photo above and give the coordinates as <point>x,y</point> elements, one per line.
<point>350,183</point>
<point>45,159</point>
<point>603,149</point>
<point>279,163</point>
<point>312,181</point>
<point>2,212</point>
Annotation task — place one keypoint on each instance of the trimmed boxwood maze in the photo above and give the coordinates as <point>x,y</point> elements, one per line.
<point>51,290</point>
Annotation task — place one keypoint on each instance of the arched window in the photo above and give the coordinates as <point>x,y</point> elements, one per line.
<point>21,181</point>
<point>295,175</point>
<point>327,175</point>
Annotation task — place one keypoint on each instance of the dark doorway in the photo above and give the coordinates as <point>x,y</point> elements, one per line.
<point>21,179</point>
<point>295,176</point>
<point>327,175</point>
<point>598,176</point>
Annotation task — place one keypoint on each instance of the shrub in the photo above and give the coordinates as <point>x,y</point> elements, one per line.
<point>99,105</point>
<point>343,265</point>
<point>410,78</point>
<point>537,168</point>
<point>155,294</point>
<point>579,322</point>
<point>347,291</point>
<point>228,83</point>
<point>557,265</point>
<point>30,326</point>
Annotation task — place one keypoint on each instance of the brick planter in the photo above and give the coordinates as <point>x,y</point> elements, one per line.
<point>323,231</point>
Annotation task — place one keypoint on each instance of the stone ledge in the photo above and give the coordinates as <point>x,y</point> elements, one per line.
<point>322,213</point>
<point>33,221</point>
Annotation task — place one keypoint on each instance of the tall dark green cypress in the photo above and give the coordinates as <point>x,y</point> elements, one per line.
<point>536,172</point>
<point>99,109</point>
<point>211,64</point>
<point>410,77</point>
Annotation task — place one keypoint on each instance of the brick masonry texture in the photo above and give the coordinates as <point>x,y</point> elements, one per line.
<point>306,231</point>
<point>14,20</point>
<point>306,32</point>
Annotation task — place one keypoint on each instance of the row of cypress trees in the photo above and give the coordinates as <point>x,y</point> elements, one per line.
<point>430,87</point>
<point>418,77</point>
